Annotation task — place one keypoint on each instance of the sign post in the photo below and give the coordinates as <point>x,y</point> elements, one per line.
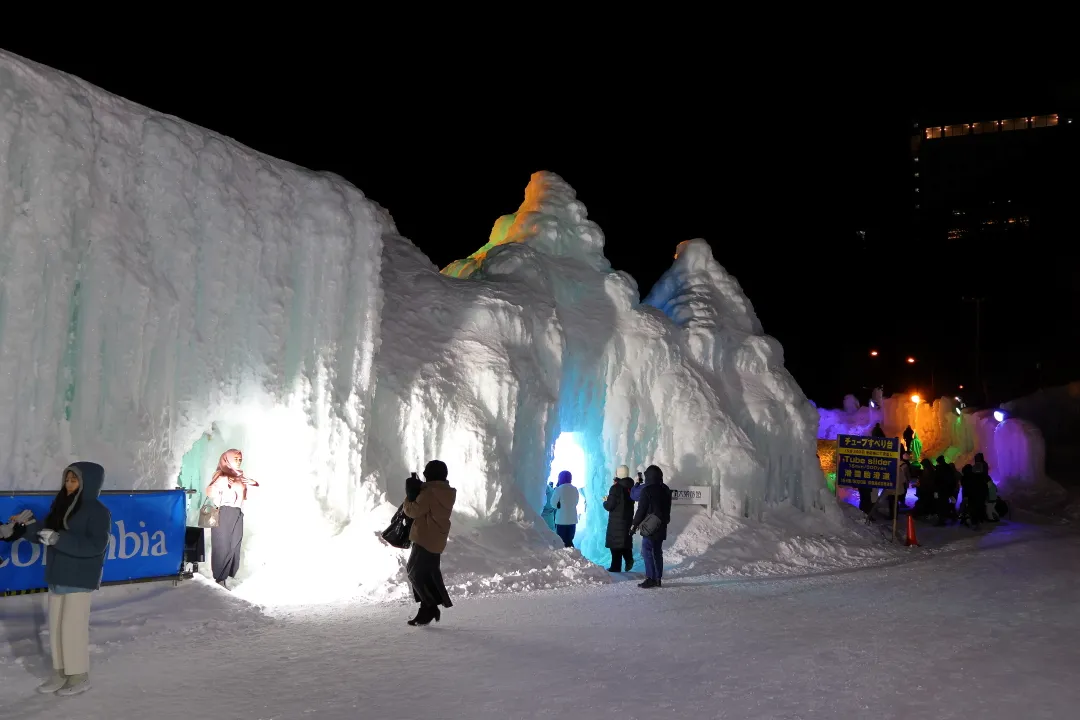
<point>693,495</point>
<point>868,462</point>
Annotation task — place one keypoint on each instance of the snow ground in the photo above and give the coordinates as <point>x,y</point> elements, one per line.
<point>987,629</point>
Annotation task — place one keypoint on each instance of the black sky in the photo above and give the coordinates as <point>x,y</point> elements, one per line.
<point>777,172</point>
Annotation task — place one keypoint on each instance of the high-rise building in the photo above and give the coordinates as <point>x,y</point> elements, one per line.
<point>995,221</point>
<point>1003,178</point>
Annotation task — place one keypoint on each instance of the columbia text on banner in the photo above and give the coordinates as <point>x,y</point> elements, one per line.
<point>146,538</point>
<point>867,461</point>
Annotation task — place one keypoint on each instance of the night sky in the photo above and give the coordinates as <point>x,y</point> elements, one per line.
<point>777,175</point>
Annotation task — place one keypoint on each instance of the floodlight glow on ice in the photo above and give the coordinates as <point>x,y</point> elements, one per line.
<point>569,455</point>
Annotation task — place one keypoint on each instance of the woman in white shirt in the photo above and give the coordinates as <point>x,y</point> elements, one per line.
<point>565,500</point>
<point>228,491</point>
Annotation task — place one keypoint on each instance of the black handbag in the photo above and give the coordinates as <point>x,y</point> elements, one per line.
<point>650,525</point>
<point>397,534</point>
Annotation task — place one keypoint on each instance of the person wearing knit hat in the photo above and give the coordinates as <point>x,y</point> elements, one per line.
<point>620,509</point>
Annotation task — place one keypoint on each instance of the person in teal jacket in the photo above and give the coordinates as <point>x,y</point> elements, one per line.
<point>76,536</point>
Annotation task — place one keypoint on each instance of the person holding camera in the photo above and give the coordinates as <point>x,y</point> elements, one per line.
<point>75,534</point>
<point>430,505</point>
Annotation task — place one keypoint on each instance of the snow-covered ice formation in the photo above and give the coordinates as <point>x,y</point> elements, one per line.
<point>167,293</point>
<point>554,341</point>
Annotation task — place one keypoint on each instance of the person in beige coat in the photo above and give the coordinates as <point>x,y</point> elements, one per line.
<point>430,506</point>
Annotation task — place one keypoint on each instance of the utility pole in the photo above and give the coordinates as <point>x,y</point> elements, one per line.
<point>978,325</point>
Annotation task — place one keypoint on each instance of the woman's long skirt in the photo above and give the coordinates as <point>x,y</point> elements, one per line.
<point>225,541</point>
<point>425,576</point>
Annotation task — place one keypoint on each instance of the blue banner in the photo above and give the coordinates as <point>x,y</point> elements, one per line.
<point>867,461</point>
<point>146,538</point>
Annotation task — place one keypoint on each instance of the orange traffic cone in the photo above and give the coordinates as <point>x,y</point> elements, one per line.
<point>911,539</point>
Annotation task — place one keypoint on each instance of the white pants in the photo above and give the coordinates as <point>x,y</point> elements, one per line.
<point>69,632</point>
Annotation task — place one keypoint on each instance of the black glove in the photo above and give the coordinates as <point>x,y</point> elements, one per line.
<point>413,486</point>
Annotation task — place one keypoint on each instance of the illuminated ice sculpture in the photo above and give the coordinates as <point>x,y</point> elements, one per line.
<point>168,291</point>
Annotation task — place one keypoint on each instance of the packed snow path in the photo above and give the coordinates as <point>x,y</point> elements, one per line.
<point>986,631</point>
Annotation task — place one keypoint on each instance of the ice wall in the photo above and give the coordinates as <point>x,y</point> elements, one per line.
<point>1014,448</point>
<point>544,338</point>
<point>743,419</point>
<point>1056,412</point>
<point>167,294</point>
<point>160,283</point>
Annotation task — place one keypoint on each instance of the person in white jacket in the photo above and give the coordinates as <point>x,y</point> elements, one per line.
<point>565,500</point>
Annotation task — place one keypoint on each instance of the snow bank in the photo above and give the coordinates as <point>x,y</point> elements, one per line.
<point>168,293</point>
<point>190,612</point>
<point>1056,412</point>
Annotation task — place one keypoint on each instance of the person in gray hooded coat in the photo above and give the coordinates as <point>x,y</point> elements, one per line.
<point>76,536</point>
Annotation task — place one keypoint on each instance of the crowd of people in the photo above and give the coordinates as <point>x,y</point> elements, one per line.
<point>642,508</point>
<point>75,532</point>
<point>939,487</point>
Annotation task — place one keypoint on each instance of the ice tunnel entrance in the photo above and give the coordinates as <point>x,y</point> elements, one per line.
<point>570,455</point>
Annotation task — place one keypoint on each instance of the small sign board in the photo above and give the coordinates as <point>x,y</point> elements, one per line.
<point>692,495</point>
<point>869,462</point>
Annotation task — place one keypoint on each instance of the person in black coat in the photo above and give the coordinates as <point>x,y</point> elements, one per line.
<point>976,492</point>
<point>620,517</point>
<point>655,500</point>
<point>946,486</point>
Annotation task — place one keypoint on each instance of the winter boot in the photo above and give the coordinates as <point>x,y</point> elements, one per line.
<point>423,617</point>
<point>54,683</point>
<point>75,684</point>
<point>649,583</point>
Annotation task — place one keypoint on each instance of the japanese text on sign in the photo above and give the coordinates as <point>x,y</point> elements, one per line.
<point>867,461</point>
